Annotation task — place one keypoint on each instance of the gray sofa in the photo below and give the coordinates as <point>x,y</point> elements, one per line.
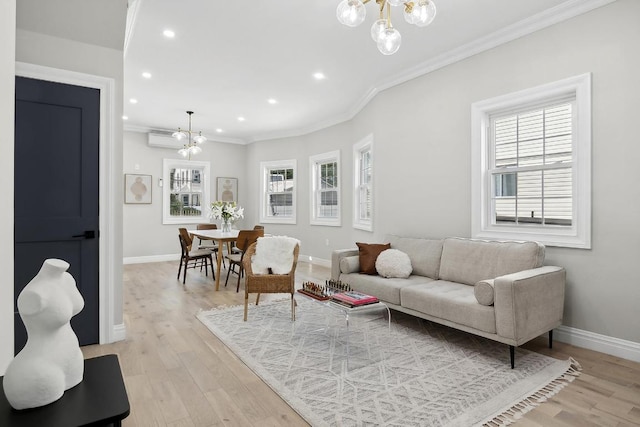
<point>498,290</point>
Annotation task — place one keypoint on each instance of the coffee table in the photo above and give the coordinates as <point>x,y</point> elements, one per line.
<point>369,311</point>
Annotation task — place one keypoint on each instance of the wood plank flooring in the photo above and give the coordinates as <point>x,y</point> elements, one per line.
<point>178,374</point>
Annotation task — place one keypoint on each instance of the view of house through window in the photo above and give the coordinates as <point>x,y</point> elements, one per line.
<point>325,189</point>
<point>532,166</point>
<point>363,194</point>
<point>278,198</point>
<point>185,194</point>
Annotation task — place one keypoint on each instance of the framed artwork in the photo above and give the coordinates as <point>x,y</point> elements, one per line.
<point>227,189</point>
<point>137,188</point>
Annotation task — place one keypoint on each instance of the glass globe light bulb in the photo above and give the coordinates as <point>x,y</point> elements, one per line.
<point>409,12</point>
<point>351,12</point>
<point>424,12</point>
<point>199,138</point>
<point>377,29</point>
<point>179,135</point>
<point>195,149</point>
<point>390,41</point>
<point>183,152</point>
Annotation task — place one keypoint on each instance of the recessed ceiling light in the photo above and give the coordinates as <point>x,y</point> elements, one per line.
<point>272,101</point>
<point>146,75</point>
<point>219,130</point>
<point>169,34</point>
<point>133,101</point>
<point>241,119</point>
<point>319,76</point>
<point>125,117</point>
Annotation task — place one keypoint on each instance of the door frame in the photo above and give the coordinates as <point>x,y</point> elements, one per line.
<point>109,332</point>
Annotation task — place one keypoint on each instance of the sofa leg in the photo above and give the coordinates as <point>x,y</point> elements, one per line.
<point>551,338</point>
<point>512,355</point>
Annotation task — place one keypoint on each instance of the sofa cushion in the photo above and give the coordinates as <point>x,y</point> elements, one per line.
<point>423,253</point>
<point>368,253</point>
<point>350,264</point>
<point>393,263</point>
<point>483,290</point>
<point>469,261</point>
<point>451,301</point>
<point>387,290</point>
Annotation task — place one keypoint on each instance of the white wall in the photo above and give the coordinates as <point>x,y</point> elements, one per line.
<point>7,97</point>
<point>64,54</point>
<point>422,159</point>
<point>143,223</point>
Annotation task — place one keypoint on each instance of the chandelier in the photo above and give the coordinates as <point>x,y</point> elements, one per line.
<point>190,146</point>
<point>418,12</point>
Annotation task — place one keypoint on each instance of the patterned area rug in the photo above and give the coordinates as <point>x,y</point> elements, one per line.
<point>415,373</point>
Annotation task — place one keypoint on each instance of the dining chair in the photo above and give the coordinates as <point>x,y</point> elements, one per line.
<point>192,258</point>
<point>208,244</point>
<point>234,249</point>
<point>244,240</point>
<point>269,283</point>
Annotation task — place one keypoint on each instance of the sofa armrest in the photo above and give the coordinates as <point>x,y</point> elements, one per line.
<point>336,256</point>
<point>529,303</point>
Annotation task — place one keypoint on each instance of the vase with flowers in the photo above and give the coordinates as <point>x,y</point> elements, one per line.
<point>228,212</point>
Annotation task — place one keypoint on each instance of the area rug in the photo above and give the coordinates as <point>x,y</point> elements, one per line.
<point>415,373</point>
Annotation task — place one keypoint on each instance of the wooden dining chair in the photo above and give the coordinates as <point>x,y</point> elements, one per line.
<point>244,240</point>
<point>235,249</point>
<point>269,283</point>
<point>192,258</point>
<point>208,244</point>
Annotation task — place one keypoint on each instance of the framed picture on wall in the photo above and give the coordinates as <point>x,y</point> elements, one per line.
<point>227,189</point>
<point>137,188</point>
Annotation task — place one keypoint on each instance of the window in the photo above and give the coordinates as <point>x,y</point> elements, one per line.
<point>363,184</point>
<point>531,159</point>
<point>278,197</point>
<point>185,192</point>
<point>325,189</point>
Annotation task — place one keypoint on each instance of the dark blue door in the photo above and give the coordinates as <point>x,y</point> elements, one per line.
<point>56,187</point>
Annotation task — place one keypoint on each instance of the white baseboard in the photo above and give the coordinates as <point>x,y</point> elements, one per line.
<point>119,332</point>
<point>604,344</point>
<point>150,258</point>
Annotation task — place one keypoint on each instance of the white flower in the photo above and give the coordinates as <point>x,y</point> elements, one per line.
<point>227,211</point>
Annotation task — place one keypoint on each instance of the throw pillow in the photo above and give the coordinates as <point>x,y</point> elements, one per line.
<point>394,263</point>
<point>483,290</point>
<point>350,264</point>
<point>368,253</point>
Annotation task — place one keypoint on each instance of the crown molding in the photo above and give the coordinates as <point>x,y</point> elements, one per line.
<point>133,7</point>
<point>544,19</point>
<point>147,129</point>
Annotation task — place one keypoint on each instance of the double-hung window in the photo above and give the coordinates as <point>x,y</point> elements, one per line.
<point>531,161</point>
<point>363,184</point>
<point>278,195</point>
<point>185,191</point>
<point>325,189</point>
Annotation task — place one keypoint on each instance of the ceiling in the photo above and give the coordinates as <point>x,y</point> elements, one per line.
<point>227,59</point>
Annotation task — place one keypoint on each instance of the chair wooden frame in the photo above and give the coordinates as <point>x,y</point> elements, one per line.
<point>245,239</point>
<point>213,247</point>
<point>269,283</point>
<point>197,257</point>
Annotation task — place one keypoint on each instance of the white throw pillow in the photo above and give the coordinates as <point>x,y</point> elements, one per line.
<point>393,263</point>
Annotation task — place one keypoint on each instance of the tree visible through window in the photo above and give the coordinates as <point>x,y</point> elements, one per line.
<point>325,189</point>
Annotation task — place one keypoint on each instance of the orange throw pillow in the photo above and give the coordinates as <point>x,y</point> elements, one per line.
<point>368,253</point>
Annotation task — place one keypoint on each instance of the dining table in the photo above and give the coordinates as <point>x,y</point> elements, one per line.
<point>219,237</point>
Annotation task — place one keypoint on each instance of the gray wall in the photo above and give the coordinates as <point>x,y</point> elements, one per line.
<point>422,160</point>
<point>144,233</point>
<point>45,50</point>
<point>7,83</point>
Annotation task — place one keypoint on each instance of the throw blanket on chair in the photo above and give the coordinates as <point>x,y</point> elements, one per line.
<point>275,253</point>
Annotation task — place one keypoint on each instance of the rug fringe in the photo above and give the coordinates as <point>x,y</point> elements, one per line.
<point>518,410</point>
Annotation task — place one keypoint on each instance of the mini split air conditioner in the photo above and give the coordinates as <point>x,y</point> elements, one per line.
<point>163,140</point>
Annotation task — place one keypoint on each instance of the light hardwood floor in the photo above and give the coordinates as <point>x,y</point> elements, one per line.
<point>179,374</point>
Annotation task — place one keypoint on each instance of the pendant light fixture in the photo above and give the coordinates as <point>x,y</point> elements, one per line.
<point>190,146</point>
<point>418,12</point>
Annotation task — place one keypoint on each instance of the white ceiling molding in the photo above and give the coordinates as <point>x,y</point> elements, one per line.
<point>133,6</point>
<point>555,15</point>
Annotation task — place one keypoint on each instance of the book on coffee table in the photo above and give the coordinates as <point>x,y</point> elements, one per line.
<point>354,298</point>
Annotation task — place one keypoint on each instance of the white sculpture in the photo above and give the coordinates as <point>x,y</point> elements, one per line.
<point>51,361</point>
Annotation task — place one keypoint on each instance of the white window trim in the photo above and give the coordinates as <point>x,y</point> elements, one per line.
<point>359,147</point>
<point>167,165</point>
<point>314,165</point>
<point>264,168</point>
<point>579,234</point>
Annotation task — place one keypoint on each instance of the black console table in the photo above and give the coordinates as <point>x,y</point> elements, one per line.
<point>99,400</point>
